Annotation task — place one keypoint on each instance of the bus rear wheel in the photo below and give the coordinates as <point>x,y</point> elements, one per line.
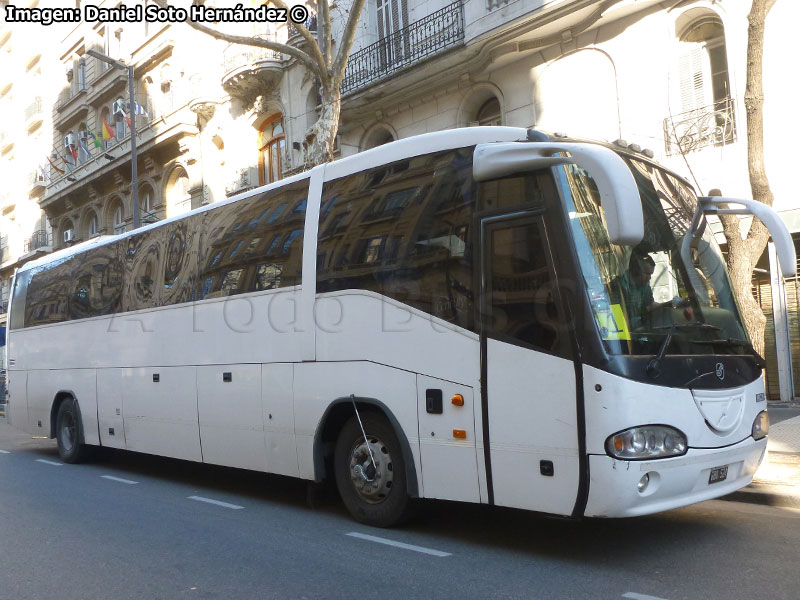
<point>370,473</point>
<point>68,432</point>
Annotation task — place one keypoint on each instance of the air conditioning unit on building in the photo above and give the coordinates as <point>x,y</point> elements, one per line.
<point>69,140</point>
<point>69,235</point>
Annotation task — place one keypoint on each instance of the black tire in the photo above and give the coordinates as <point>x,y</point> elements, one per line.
<point>71,448</point>
<point>376,497</point>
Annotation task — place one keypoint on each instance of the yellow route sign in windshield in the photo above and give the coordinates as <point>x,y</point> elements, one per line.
<point>612,323</point>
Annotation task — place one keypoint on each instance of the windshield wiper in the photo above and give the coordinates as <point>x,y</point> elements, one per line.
<point>654,366</point>
<point>737,342</point>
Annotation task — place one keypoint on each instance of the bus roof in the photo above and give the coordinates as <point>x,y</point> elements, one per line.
<point>393,151</point>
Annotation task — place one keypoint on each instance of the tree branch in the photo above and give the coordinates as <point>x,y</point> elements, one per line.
<point>348,35</point>
<point>308,60</point>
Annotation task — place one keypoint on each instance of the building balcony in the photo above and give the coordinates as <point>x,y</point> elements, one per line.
<point>432,35</point>
<point>71,107</point>
<point>713,125</point>
<point>34,114</point>
<point>38,181</point>
<point>39,241</point>
<point>249,70</point>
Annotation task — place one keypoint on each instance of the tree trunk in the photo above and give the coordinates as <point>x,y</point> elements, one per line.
<point>744,254</point>
<point>320,149</point>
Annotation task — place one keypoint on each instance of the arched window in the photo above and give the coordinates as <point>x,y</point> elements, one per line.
<point>118,219</point>
<point>179,200</point>
<point>147,205</point>
<point>271,144</point>
<point>107,130</point>
<point>701,86</point>
<point>84,149</point>
<point>91,228</point>
<point>67,232</point>
<point>379,136</point>
<point>120,113</point>
<point>489,113</point>
<point>81,74</point>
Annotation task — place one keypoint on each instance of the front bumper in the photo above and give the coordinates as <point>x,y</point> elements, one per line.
<point>674,482</point>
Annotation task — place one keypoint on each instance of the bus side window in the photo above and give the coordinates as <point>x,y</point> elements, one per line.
<point>254,245</point>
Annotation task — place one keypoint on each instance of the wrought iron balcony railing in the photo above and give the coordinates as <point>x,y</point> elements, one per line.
<point>713,125</point>
<point>237,55</point>
<point>420,40</point>
<point>39,239</point>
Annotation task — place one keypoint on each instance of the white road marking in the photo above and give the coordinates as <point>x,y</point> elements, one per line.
<point>372,538</point>
<point>119,479</point>
<point>217,502</point>
<point>635,596</point>
<point>4,452</point>
<point>50,462</point>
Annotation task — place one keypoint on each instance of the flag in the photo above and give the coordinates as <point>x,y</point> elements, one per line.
<point>74,152</point>
<point>84,147</point>
<point>139,109</point>
<point>95,140</point>
<point>52,164</point>
<point>108,133</point>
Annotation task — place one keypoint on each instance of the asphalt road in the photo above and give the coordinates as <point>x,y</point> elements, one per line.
<point>134,526</point>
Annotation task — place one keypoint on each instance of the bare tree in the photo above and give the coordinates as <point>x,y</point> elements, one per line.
<point>318,57</point>
<point>743,254</point>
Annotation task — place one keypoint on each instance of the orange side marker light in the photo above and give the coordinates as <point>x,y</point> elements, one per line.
<point>460,434</point>
<point>457,400</point>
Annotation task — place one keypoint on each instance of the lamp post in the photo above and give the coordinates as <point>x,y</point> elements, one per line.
<point>132,111</point>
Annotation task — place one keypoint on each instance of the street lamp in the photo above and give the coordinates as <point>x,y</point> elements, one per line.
<point>132,111</point>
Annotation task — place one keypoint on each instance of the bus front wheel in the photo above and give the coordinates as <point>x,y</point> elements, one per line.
<point>68,432</point>
<point>370,473</point>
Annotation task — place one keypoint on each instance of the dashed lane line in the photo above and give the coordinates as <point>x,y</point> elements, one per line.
<point>635,596</point>
<point>119,479</point>
<point>50,462</point>
<point>379,540</point>
<point>4,452</point>
<point>216,502</point>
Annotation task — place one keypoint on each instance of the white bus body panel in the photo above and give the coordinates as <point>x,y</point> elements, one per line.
<point>277,393</point>
<point>532,417</point>
<point>43,385</point>
<point>110,408</point>
<point>449,464</point>
<point>318,384</point>
<point>230,416</point>
<point>674,482</point>
<point>161,417</point>
<point>17,410</point>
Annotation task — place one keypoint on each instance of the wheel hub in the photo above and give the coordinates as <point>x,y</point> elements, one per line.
<point>373,482</point>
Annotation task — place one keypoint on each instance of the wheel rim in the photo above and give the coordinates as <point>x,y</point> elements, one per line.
<point>68,431</point>
<point>372,484</point>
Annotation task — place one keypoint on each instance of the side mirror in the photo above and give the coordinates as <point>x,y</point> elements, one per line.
<point>784,245</point>
<point>619,194</point>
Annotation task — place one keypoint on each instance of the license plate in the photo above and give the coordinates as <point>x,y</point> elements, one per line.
<point>718,474</point>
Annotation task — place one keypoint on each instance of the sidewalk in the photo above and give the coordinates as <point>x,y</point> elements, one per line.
<point>777,481</point>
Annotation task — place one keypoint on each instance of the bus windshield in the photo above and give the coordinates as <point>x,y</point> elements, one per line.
<point>671,292</point>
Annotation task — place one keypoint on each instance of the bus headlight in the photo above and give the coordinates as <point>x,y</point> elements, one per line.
<point>761,425</point>
<point>646,442</point>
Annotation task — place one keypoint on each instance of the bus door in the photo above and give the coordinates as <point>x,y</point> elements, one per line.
<point>528,375</point>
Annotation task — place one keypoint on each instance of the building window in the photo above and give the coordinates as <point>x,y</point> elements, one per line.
<point>84,152</point>
<point>91,225</point>
<point>120,118</point>
<point>701,88</point>
<point>147,206</point>
<point>489,113</point>
<point>119,220</point>
<point>272,142</point>
<point>81,74</point>
<point>179,200</point>
<point>392,21</point>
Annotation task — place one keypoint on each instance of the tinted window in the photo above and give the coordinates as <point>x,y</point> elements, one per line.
<point>180,260</point>
<point>48,292</point>
<point>403,230</point>
<point>143,255</point>
<point>97,280</point>
<point>254,244</point>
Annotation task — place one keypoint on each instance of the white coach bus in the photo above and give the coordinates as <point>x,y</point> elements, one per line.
<point>485,315</point>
